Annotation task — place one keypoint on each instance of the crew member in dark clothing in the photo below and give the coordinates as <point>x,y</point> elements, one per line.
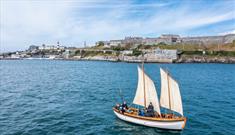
<point>141,112</point>
<point>124,107</point>
<point>150,110</point>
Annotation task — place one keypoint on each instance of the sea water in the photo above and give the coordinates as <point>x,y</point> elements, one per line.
<point>51,97</point>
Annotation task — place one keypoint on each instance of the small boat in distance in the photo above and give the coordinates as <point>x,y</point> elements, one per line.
<point>146,94</point>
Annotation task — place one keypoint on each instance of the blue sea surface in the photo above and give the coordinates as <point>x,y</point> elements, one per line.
<point>48,97</point>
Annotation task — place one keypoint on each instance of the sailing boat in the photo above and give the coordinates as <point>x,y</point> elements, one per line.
<point>146,93</point>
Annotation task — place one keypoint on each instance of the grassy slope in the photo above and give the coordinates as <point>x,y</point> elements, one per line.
<point>210,50</point>
<point>226,47</point>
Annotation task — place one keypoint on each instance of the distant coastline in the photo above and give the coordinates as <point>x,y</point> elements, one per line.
<point>165,49</point>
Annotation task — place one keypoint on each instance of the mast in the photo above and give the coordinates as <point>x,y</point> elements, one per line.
<point>144,83</point>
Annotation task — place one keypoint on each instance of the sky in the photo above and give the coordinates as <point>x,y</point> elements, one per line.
<point>71,22</point>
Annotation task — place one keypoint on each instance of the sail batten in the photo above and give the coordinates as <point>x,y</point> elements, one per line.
<point>170,94</point>
<point>146,91</point>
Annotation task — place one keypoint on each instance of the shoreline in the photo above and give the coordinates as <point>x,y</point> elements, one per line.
<point>178,61</point>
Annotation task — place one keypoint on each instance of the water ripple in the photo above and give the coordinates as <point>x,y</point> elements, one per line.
<point>71,97</point>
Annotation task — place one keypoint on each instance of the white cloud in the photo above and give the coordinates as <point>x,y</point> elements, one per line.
<point>26,22</point>
<point>227,32</point>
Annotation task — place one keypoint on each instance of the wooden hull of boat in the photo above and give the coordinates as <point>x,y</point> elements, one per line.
<point>157,123</point>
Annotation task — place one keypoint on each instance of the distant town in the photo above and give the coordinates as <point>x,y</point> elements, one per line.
<point>168,48</point>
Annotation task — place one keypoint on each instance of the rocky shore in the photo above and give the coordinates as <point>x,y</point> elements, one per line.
<point>130,59</point>
<point>181,59</point>
<point>205,59</point>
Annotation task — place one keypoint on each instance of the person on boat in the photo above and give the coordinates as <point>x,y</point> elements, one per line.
<point>150,110</point>
<point>124,107</point>
<point>117,106</point>
<point>141,112</point>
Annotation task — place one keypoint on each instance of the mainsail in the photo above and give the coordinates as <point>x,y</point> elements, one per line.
<point>146,91</point>
<point>170,93</point>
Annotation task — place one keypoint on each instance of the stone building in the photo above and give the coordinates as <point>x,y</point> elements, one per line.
<point>150,41</point>
<point>202,40</point>
<point>206,40</point>
<point>133,40</point>
<point>172,39</point>
<point>165,38</point>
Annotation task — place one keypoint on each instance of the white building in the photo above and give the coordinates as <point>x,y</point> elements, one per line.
<point>162,55</point>
<point>115,42</point>
<point>51,47</point>
<point>15,56</point>
<point>67,53</point>
<point>171,54</point>
<point>127,52</point>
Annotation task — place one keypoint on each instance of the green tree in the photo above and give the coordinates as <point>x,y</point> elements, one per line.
<point>161,43</point>
<point>118,48</point>
<point>100,43</point>
<point>136,52</point>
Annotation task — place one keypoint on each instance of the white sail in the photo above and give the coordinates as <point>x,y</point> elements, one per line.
<point>170,93</point>
<point>150,91</point>
<point>164,98</point>
<point>176,102</point>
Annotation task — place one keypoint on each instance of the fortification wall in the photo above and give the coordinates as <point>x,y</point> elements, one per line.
<point>209,39</point>
<point>229,38</point>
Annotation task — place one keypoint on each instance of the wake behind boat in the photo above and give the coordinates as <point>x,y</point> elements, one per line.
<point>146,94</point>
